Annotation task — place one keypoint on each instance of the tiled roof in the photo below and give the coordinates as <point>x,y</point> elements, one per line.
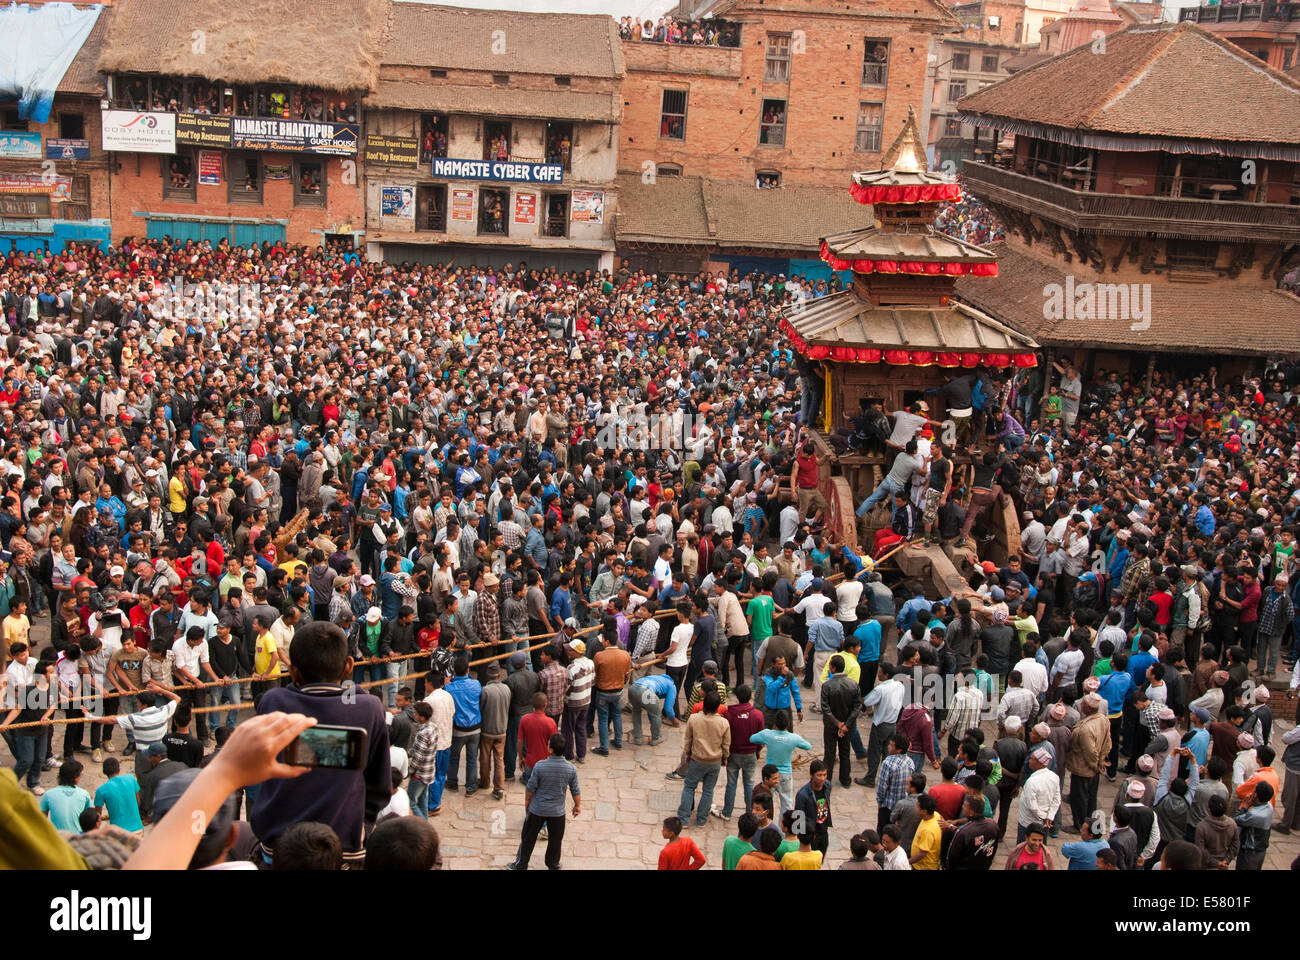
<point>731,213</point>
<point>1157,80</point>
<point>559,104</point>
<point>83,76</point>
<point>869,243</point>
<point>503,41</point>
<point>1226,317</point>
<point>846,319</point>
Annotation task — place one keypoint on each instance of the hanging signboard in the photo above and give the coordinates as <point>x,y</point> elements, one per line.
<point>508,171</point>
<point>525,208</point>
<point>203,130</point>
<point>588,206</point>
<point>397,202</point>
<point>392,151</point>
<point>210,167</point>
<point>19,145</point>
<point>59,148</point>
<point>294,136</point>
<point>59,188</point>
<point>462,204</point>
<point>133,131</point>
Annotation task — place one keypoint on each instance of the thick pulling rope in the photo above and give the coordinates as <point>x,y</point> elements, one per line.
<point>248,704</point>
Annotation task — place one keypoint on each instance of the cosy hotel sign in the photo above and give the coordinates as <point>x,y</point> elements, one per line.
<point>507,171</point>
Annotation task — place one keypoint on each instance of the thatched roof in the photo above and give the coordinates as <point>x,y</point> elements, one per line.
<point>333,44</point>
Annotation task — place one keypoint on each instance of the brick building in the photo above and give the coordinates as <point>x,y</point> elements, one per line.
<point>1270,31</point>
<point>227,124</point>
<point>968,60</point>
<point>54,172</point>
<point>811,91</point>
<point>492,137</point>
<point>1145,226</point>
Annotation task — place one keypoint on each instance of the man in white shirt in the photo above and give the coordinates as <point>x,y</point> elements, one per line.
<point>189,665</point>
<point>444,710</point>
<point>1033,676</point>
<point>886,701</point>
<point>1040,797</point>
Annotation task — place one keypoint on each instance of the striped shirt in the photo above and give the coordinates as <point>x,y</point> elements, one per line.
<point>149,726</point>
<point>582,675</point>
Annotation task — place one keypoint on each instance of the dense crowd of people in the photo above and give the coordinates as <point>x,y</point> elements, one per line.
<point>969,219</point>
<point>709,32</point>
<point>480,513</point>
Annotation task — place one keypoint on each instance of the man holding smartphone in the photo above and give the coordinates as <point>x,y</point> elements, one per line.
<point>347,799</point>
<point>544,802</point>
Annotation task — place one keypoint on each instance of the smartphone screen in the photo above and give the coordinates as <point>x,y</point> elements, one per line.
<point>335,748</point>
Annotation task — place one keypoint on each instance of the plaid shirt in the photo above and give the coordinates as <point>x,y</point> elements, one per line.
<point>512,535</point>
<point>487,618</point>
<point>424,754</point>
<point>967,704</point>
<point>555,684</point>
<point>646,637</point>
<point>339,604</point>
<point>891,785</point>
<point>1275,613</point>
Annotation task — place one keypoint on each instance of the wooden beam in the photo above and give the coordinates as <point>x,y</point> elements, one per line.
<point>898,325</point>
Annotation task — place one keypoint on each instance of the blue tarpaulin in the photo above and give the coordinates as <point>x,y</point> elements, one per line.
<point>37,45</point>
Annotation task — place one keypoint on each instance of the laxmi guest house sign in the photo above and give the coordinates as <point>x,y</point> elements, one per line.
<point>503,170</point>
<point>257,133</point>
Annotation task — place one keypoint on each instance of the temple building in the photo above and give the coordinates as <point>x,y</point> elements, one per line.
<point>896,332</point>
<point>1145,230</point>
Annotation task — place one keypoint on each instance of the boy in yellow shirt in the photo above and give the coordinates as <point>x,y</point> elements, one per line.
<point>267,658</point>
<point>805,858</point>
<point>929,837</point>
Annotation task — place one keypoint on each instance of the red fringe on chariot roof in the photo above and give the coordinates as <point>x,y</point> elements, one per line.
<point>906,193</point>
<point>951,268</point>
<point>911,358</point>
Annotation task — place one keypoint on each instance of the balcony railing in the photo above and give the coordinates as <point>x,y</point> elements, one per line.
<point>1241,12</point>
<point>1121,213</point>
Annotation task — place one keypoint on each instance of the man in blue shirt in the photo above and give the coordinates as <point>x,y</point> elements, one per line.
<point>465,726</point>
<point>1204,517</point>
<point>917,606</point>
<point>868,634</point>
<point>825,639</point>
<point>544,805</point>
<point>535,544</point>
<point>654,694</point>
<point>1082,854</point>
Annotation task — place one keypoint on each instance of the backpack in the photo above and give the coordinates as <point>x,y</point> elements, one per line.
<point>1204,594</point>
